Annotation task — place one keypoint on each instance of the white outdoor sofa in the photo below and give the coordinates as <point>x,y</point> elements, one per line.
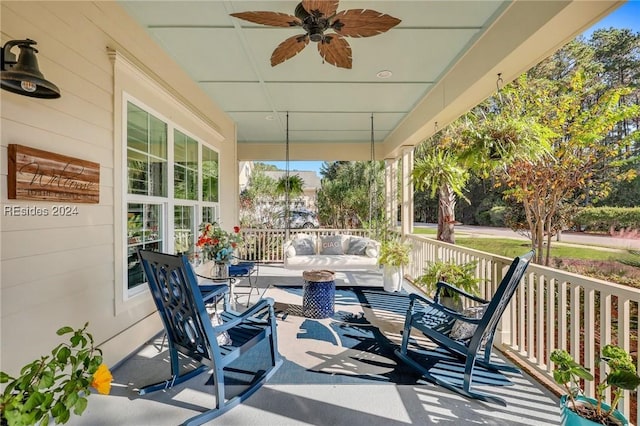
<point>332,252</point>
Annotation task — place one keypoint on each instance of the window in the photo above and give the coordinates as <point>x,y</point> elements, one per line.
<point>165,204</point>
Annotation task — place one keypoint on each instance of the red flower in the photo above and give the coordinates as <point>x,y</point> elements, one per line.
<point>236,229</point>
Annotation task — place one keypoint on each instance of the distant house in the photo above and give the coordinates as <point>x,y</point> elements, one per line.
<point>245,168</point>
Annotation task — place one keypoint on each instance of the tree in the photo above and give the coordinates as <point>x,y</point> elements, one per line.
<point>440,172</point>
<point>581,155</point>
<point>257,198</point>
<point>349,190</point>
<point>477,143</point>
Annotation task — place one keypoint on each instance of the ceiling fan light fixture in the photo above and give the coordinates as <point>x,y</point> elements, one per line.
<point>384,74</point>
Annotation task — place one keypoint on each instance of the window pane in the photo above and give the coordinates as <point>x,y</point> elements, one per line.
<point>209,214</point>
<point>146,153</point>
<point>137,173</point>
<point>209,175</point>
<point>192,184</point>
<point>185,168</point>
<point>158,178</point>
<point>184,229</point>
<point>157,137</point>
<point>179,182</point>
<point>137,128</point>
<point>144,231</point>
<point>180,147</point>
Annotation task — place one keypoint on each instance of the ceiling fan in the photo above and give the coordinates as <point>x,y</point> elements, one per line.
<point>316,17</point>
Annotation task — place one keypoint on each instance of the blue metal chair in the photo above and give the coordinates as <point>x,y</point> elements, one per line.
<point>437,321</point>
<point>245,269</point>
<point>180,304</point>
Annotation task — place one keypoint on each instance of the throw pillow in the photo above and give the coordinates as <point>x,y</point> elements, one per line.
<point>462,330</point>
<point>371,251</point>
<point>291,251</point>
<point>304,246</point>
<point>331,244</point>
<point>357,246</point>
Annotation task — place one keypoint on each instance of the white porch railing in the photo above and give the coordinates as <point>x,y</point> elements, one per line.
<point>552,309</point>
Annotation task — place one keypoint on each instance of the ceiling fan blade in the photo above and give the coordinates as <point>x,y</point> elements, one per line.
<point>289,48</point>
<point>275,19</point>
<point>362,23</point>
<point>327,7</point>
<point>335,50</point>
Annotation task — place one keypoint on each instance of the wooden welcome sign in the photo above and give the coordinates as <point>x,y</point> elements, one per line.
<point>41,175</point>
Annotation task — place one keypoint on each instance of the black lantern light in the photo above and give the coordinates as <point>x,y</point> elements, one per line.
<point>23,76</point>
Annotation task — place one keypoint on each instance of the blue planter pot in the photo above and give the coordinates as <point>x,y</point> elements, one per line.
<point>569,417</point>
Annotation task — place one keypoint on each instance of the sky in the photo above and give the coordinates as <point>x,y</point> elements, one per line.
<point>626,16</point>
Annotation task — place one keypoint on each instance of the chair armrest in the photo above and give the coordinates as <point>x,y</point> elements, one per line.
<point>257,308</point>
<point>414,313</point>
<point>440,285</point>
<point>414,297</point>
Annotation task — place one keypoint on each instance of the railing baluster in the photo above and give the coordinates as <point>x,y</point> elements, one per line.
<point>530,318</point>
<point>589,337</point>
<point>624,341</point>
<point>605,331</point>
<point>540,319</point>
<point>551,324</point>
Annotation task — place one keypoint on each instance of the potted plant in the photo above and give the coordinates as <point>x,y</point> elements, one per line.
<point>462,276</point>
<point>394,255</point>
<point>578,409</point>
<point>55,385</point>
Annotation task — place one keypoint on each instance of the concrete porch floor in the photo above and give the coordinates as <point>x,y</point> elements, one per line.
<point>529,403</point>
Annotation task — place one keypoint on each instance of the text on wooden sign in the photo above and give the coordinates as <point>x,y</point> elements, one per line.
<point>35,174</point>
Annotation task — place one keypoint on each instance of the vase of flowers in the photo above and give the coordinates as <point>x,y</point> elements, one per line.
<point>218,245</point>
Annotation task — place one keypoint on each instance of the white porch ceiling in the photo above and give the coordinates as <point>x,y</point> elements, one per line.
<point>444,56</point>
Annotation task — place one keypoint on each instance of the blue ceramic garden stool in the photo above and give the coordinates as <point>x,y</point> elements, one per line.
<point>319,293</point>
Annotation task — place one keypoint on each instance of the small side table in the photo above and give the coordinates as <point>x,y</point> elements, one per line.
<point>319,293</point>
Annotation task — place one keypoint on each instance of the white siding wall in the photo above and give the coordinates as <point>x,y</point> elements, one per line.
<point>59,271</point>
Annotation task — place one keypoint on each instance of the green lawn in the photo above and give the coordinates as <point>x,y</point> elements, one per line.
<point>510,247</point>
<point>621,267</point>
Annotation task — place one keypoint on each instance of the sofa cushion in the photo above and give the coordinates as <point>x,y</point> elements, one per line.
<point>338,262</point>
<point>358,246</point>
<point>371,251</point>
<point>304,246</point>
<point>331,244</point>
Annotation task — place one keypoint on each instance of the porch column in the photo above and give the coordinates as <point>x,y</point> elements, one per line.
<point>407,190</point>
<point>391,190</point>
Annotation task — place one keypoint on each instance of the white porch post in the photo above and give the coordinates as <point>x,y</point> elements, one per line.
<point>407,190</point>
<point>391,190</point>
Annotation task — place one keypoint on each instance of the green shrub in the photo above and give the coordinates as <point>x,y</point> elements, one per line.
<point>606,219</point>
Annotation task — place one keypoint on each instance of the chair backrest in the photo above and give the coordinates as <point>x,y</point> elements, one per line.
<point>501,299</point>
<point>174,287</point>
